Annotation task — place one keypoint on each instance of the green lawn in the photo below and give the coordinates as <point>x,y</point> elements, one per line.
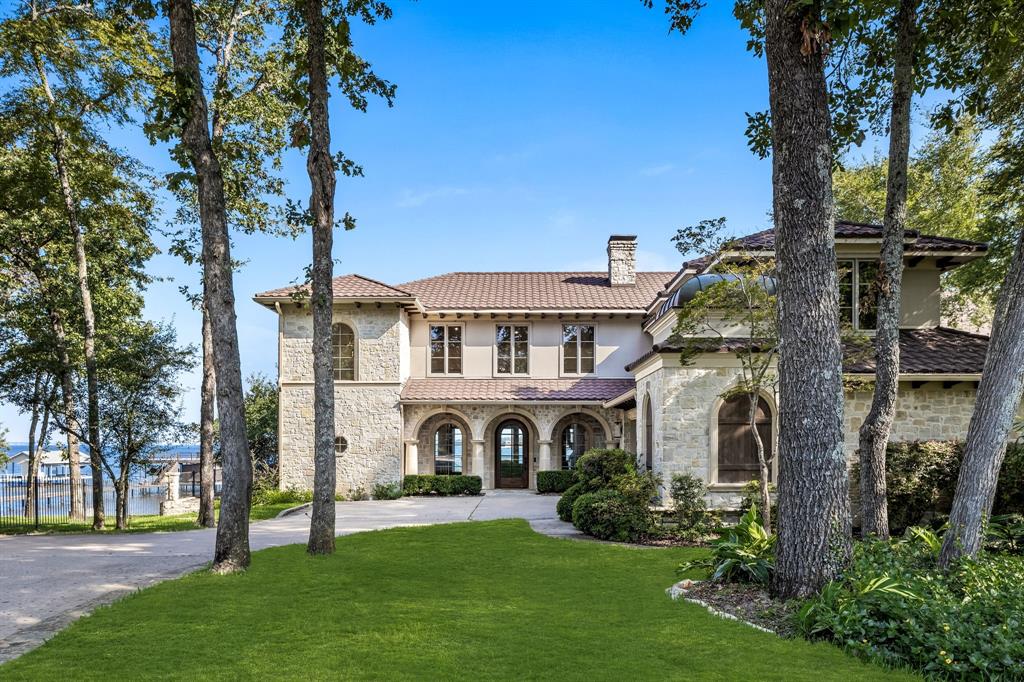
<point>146,524</point>
<point>462,601</point>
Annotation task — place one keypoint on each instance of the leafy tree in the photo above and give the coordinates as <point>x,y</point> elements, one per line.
<point>74,68</point>
<point>141,405</point>
<point>950,194</point>
<point>4,458</point>
<point>261,404</point>
<point>738,310</point>
<point>185,112</point>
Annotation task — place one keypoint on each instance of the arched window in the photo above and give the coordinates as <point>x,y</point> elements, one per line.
<point>574,442</point>
<point>343,352</point>
<point>737,448</point>
<point>448,450</point>
<point>648,434</point>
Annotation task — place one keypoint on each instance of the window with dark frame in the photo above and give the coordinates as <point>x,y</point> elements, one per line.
<point>513,348</point>
<point>858,293</point>
<point>575,438</point>
<point>343,352</point>
<point>448,450</point>
<point>445,349</point>
<point>578,348</point>
<point>737,450</point>
<point>340,445</point>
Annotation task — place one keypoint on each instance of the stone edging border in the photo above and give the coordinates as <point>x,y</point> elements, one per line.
<point>293,510</point>
<point>681,588</point>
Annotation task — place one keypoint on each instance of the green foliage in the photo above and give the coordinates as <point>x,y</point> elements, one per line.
<point>260,403</point>
<point>264,495</point>
<point>693,520</point>
<point>358,494</point>
<point>921,479</point>
<point>895,606</point>
<point>557,481</point>
<point>568,499</point>
<point>386,491</point>
<point>597,467</point>
<point>751,496</point>
<point>609,515</point>
<point>4,458</point>
<point>430,484</point>
<point>746,553</point>
<point>1005,533</point>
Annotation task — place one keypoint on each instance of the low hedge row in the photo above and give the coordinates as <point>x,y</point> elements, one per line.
<point>557,481</point>
<point>430,484</point>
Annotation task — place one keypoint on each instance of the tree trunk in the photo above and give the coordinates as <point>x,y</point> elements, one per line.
<point>814,511</point>
<point>874,432</point>
<point>766,493</point>
<point>232,548</point>
<point>85,295</point>
<point>32,465</point>
<point>121,503</point>
<point>207,516</point>
<point>320,167</point>
<point>999,396</point>
<point>67,391</point>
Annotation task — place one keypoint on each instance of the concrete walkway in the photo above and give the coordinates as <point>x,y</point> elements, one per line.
<point>48,581</point>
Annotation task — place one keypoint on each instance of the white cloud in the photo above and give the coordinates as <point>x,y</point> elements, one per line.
<point>660,169</point>
<point>411,199</point>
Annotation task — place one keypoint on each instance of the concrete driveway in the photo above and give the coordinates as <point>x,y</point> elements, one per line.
<point>47,581</point>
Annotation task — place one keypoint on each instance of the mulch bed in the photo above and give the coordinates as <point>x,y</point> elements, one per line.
<point>750,603</point>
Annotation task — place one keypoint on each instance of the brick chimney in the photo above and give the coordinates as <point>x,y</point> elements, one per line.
<point>622,260</point>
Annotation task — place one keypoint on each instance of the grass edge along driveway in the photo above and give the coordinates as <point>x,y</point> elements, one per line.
<point>482,600</point>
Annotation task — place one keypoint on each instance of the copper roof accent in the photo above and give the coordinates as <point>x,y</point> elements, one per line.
<point>346,286</point>
<point>512,390</point>
<point>935,351</point>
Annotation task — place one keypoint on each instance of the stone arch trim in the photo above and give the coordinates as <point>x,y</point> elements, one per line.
<point>590,421</point>
<point>425,440</point>
<point>456,413</point>
<point>716,407</point>
<point>554,427</point>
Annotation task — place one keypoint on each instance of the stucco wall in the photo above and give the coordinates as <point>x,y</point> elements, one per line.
<point>619,342</point>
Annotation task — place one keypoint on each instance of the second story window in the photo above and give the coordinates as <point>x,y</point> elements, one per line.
<point>343,352</point>
<point>445,349</point>
<point>513,346</point>
<point>858,295</point>
<point>578,348</point>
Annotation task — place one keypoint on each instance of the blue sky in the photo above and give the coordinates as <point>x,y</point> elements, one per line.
<point>522,136</point>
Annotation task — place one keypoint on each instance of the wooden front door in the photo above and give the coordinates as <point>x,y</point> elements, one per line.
<point>511,455</point>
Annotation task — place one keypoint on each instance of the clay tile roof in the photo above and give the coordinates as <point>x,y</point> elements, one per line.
<point>939,350</point>
<point>501,390</point>
<point>346,286</point>
<point>535,291</point>
<point>846,230</point>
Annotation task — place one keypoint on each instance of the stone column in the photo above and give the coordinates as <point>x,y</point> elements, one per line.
<point>412,457</point>
<point>544,461</point>
<point>478,461</point>
<point>173,481</point>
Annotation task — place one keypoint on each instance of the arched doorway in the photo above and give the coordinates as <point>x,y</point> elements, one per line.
<point>511,455</point>
<point>737,449</point>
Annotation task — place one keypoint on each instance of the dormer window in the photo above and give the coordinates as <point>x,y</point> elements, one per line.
<point>858,294</point>
<point>512,343</point>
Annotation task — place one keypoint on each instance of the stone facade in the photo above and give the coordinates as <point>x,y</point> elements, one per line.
<point>366,414</point>
<point>481,421</point>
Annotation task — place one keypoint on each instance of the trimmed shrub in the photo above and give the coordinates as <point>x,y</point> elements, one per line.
<point>386,491</point>
<point>568,499</point>
<point>427,484</point>
<point>557,481</point>
<point>596,468</point>
<point>693,520</point>
<point>274,496</point>
<point>609,515</point>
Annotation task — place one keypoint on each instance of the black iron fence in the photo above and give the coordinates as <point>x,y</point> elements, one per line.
<point>56,501</point>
